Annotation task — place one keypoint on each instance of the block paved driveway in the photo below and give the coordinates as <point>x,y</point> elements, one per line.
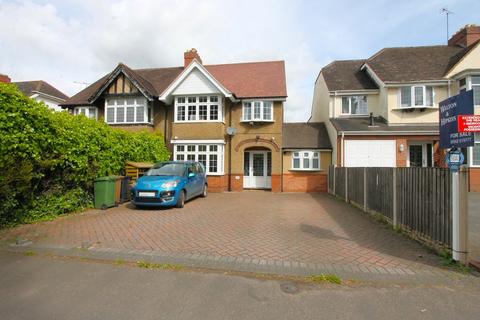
<point>256,226</point>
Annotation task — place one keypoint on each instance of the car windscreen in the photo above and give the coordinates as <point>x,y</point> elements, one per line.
<point>167,169</point>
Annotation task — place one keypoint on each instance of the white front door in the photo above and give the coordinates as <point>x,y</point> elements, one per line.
<point>257,170</point>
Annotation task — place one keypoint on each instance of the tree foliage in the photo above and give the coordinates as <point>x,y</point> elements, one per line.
<point>49,160</point>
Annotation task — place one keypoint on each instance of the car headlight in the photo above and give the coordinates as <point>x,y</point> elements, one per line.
<point>170,184</point>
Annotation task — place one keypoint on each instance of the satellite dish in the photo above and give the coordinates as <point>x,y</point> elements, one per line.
<point>231,131</point>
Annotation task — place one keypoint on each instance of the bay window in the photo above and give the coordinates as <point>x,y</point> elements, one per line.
<point>257,110</point>
<point>90,112</point>
<point>198,109</point>
<point>475,80</point>
<point>416,96</point>
<point>128,111</point>
<point>210,155</point>
<point>476,151</point>
<point>306,160</point>
<point>355,105</point>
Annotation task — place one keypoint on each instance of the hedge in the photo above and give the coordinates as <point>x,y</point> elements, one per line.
<point>49,160</point>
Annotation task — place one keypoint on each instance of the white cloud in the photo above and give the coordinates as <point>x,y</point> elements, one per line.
<point>65,42</point>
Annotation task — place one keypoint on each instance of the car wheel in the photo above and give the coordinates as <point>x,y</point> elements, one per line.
<point>181,200</point>
<point>205,191</point>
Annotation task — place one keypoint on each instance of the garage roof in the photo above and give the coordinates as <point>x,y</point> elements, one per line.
<point>310,135</point>
<point>362,125</point>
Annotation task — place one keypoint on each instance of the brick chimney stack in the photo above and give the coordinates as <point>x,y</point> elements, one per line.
<point>4,78</point>
<point>465,36</point>
<point>189,55</point>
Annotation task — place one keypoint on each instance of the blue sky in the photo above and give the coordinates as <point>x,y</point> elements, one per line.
<point>66,42</point>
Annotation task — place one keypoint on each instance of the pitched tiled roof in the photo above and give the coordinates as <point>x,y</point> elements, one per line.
<point>380,124</point>
<point>346,75</point>
<point>252,80</point>
<point>39,86</point>
<point>310,135</point>
<point>404,64</point>
<point>413,63</point>
<point>244,80</point>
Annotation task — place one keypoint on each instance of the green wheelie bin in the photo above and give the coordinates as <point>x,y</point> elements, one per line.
<point>104,189</point>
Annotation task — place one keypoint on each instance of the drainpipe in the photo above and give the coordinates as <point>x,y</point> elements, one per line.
<point>165,125</point>
<point>449,92</point>
<point>281,151</point>
<point>229,149</point>
<point>342,148</point>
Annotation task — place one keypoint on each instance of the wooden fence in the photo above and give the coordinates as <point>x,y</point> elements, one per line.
<point>416,199</point>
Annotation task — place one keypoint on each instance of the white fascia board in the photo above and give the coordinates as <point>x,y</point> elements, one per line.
<point>178,141</point>
<point>464,73</point>
<point>351,92</point>
<point>421,82</point>
<point>372,74</point>
<point>388,133</point>
<point>41,94</point>
<point>261,98</point>
<point>166,95</point>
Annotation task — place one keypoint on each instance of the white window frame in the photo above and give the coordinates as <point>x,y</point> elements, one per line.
<point>471,85</point>
<point>138,102</point>
<point>301,155</point>
<point>78,110</point>
<point>470,151</point>
<point>261,117</point>
<point>219,152</point>
<point>412,97</point>
<point>350,105</point>
<point>197,104</point>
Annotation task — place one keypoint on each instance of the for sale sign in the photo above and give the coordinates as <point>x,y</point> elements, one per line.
<point>450,110</point>
<point>469,123</point>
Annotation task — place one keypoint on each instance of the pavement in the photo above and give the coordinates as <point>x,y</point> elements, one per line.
<point>293,234</point>
<point>39,287</point>
<point>474,226</point>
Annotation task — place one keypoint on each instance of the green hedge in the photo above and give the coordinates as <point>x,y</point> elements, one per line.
<point>49,160</point>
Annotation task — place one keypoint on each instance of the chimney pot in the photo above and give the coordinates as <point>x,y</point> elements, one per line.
<point>189,55</point>
<point>4,78</point>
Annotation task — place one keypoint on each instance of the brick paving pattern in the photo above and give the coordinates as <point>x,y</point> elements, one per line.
<point>259,228</point>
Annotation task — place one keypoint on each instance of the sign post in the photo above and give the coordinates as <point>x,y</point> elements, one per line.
<point>455,113</point>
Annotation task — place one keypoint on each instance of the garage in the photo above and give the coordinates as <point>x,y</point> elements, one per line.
<point>370,153</point>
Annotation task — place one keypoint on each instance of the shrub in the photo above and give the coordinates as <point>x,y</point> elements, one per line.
<point>49,160</point>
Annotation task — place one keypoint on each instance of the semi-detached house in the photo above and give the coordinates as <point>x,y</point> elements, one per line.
<point>383,111</point>
<point>230,117</point>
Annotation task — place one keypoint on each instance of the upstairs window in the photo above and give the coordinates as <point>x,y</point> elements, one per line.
<point>476,90</point>
<point>416,96</point>
<point>198,109</point>
<point>257,110</point>
<point>90,112</point>
<point>127,111</point>
<point>355,105</point>
<point>306,160</point>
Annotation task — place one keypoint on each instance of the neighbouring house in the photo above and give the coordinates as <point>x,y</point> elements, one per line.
<point>40,90</point>
<point>383,111</point>
<point>227,116</point>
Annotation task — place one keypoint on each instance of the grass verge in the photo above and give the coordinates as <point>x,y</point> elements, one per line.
<point>163,266</point>
<point>321,278</point>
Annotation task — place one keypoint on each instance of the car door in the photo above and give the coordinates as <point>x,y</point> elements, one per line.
<point>191,186</point>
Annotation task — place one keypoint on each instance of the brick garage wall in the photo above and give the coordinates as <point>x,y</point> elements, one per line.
<point>304,182</point>
<point>474,180</point>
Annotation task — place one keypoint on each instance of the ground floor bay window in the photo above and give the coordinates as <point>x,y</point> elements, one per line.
<point>210,154</point>
<point>474,158</point>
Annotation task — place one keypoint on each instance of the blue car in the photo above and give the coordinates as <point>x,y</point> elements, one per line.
<point>169,184</point>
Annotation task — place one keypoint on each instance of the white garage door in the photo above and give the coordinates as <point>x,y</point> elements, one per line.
<point>370,153</point>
